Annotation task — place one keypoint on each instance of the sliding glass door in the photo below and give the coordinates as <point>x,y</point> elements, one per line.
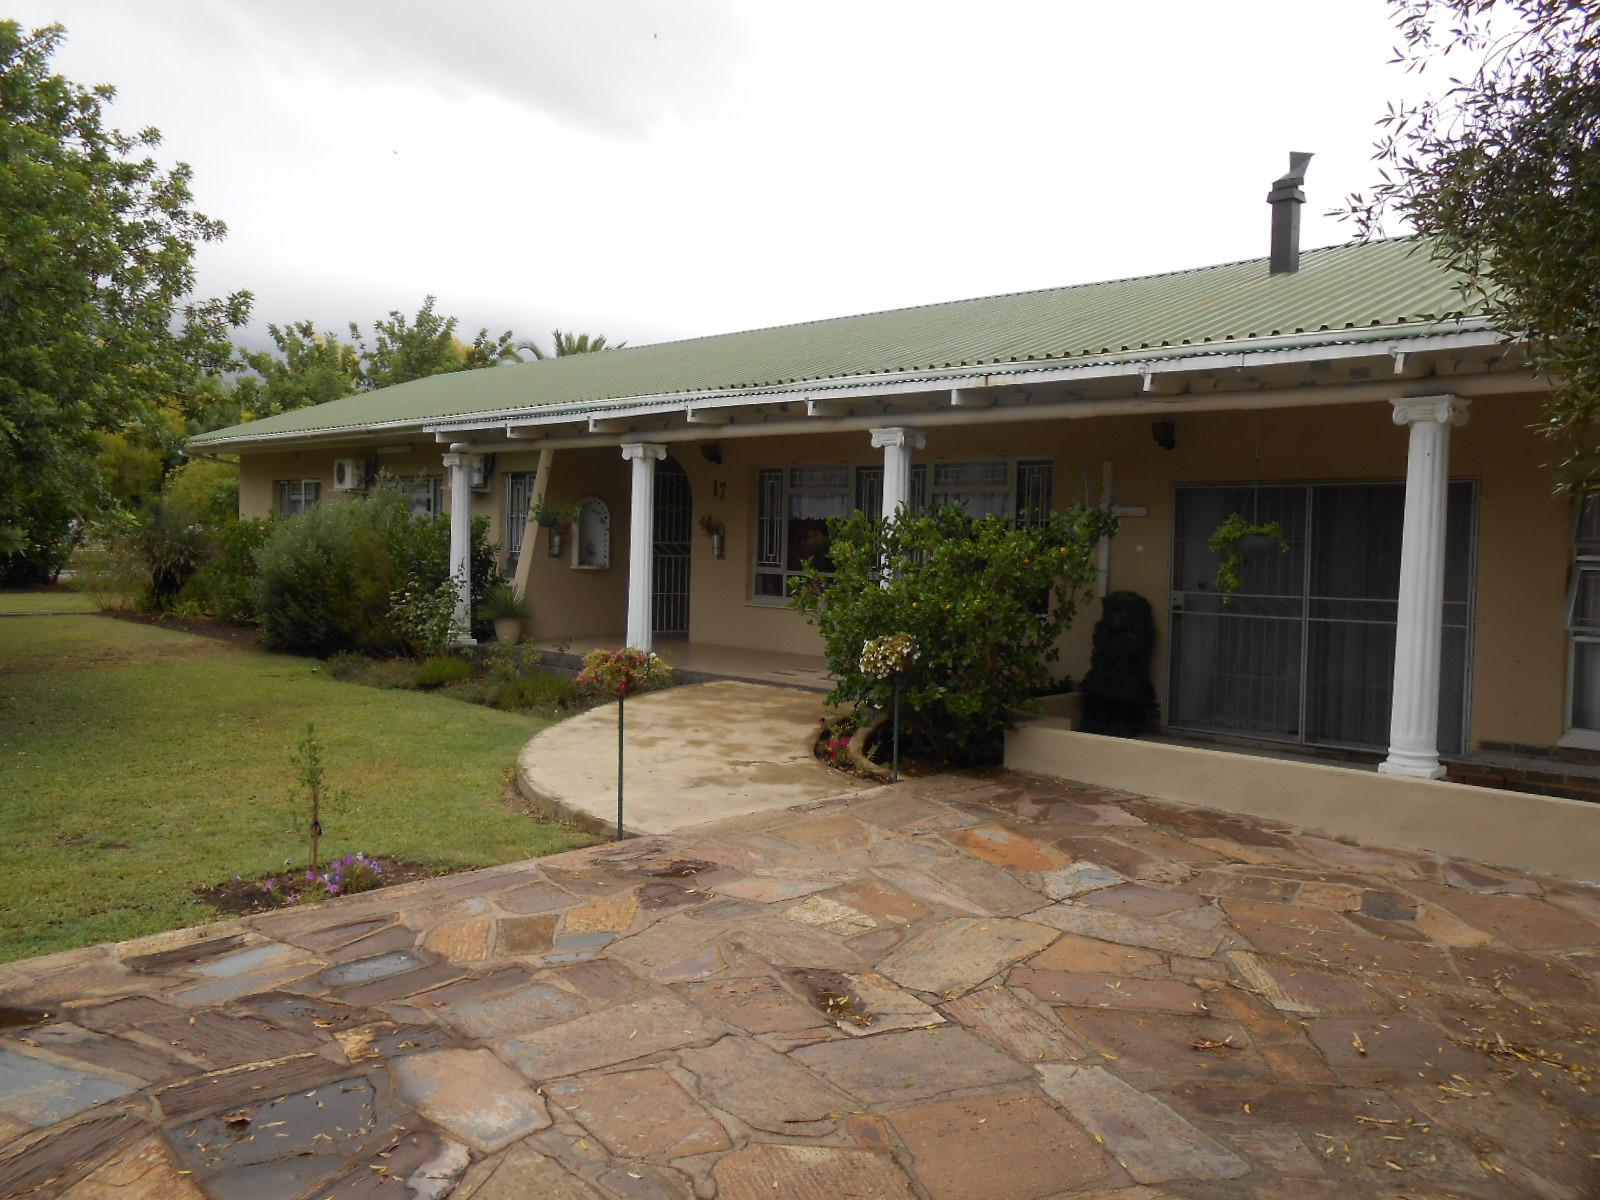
<point>1305,650</point>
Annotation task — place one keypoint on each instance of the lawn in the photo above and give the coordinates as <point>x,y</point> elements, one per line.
<point>59,600</point>
<point>140,763</point>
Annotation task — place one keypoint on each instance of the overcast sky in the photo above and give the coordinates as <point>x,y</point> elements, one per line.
<point>659,170</point>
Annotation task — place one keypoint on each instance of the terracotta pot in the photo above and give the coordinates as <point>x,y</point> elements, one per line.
<point>508,630</point>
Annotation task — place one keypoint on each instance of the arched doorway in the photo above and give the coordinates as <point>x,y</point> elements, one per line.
<point>669,558</point>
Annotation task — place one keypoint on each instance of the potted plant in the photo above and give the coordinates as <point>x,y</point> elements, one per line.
<point>1235,538</point>
<point>718,535</point>
<point>500,605</point>
<point>545,514</point>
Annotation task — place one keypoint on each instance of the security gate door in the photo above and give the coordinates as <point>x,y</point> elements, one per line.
<point>669,560</point>
<point>1305,651</point>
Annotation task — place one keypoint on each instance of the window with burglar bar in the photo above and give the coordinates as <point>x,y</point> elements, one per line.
<point>794,504</point>
<point>294,496</point>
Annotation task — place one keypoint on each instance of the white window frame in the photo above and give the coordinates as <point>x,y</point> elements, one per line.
<point>1585,564</point>
<point>921,484</point>
<point>291,497</point>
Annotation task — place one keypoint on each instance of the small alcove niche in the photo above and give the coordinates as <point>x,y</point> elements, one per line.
<point>591,534</point>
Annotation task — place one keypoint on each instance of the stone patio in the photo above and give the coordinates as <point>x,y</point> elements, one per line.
<point>995,987</point>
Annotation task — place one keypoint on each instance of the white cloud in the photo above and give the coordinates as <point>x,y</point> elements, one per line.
<point>657,170</point>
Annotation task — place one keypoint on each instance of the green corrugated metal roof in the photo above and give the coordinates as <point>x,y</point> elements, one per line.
<point>1341,290</point>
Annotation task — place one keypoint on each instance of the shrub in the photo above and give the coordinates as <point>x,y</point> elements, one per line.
<point>224,587</point>
<point>607,674</point>
<point>424,618</point>
<point>502,664</point>
<point>327,579</point>
<point>323,578</point>
<point>443,669</point>
<point>984,601</point>
<point>205,489</point>
<point>543,691</point>
<point>420,549</point>
<point>500,603</point>
<point>173,545</point>
<point>1118,696</point>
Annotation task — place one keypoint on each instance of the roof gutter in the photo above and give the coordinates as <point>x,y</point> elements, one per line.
<point>1502,383</point>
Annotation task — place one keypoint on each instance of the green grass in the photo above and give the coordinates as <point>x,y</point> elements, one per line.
<point>45,602</point>
<point>139,763</point>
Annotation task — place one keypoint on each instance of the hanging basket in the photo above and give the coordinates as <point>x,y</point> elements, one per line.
<point>1254,545</point>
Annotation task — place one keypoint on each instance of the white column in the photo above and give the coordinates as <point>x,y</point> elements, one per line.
<point>641,536</point>
<point>459,464</point>
<point>530,531</point>
<point>897,442</point>
<point>1419,626</point>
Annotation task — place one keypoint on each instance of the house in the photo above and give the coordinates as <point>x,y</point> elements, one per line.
<point>1437,598</point>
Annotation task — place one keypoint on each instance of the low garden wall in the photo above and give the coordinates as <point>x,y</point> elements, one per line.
<point>1543,834</point>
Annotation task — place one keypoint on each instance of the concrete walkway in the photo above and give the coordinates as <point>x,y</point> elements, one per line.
<point>958,988</point>
<point>704,752</point>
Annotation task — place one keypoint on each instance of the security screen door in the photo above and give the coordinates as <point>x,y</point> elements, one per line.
<point>1305,651</point>
<point>669,560</point>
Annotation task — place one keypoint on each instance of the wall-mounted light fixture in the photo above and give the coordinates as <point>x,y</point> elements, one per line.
<point>711,452</point>
<point>1165,434</point>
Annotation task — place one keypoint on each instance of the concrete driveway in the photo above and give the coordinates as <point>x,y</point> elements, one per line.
<point>703,752</point>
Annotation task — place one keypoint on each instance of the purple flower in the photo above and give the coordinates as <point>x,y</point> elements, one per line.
<point>334,888</point>
<point>269,885</point>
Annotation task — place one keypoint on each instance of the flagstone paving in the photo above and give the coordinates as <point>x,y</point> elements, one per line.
<point>985,986</point>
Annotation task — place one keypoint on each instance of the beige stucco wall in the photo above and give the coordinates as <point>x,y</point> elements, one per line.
<point>1519,649</point>
<point>1518,646</point>
<point>1546,834</point>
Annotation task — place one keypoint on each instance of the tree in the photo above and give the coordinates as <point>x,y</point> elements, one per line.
<point>426,345</point>
<point>566,344</point>
<point>309,367</point>
<point>97,322</point>
<point>1502,170</point>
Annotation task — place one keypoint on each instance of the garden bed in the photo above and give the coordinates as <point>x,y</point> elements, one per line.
<point>245,897</point>
<point>509,678</point>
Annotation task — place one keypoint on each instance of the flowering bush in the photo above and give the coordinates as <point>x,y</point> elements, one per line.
<point>614,673</point>
<point>982,600</point>
<point>887,656</point>
<point>425,617</point>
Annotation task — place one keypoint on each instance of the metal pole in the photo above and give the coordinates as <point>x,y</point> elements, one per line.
<point>621,699</point>
<point>896,765</point>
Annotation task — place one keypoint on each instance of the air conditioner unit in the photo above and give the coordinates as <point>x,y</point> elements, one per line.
<point>480,472</point>
<point>350,475</point>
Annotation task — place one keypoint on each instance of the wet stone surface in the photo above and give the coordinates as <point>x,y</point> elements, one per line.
<point>984,985</point>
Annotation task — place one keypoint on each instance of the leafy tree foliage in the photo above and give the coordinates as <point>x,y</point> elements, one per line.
<point>403,350</point>
<point>1503,170</point>
<point>309,366</point>
<point>986,601</point>
<point>97,322</point>
<point>565,344</point>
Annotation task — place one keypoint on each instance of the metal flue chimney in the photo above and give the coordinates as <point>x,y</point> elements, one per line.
<point>1286,199</point>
